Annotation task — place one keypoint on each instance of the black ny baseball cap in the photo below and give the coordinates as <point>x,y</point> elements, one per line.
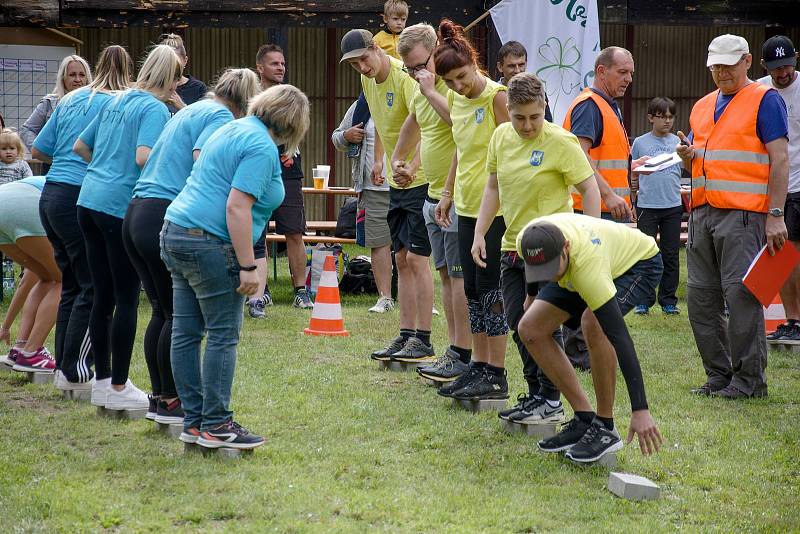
<point>541,245</point>
<point>778,51</point>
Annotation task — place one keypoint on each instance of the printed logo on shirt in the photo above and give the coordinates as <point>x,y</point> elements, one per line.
<point>390,99</point>
<point>480,113</point>
<point>536,157</point>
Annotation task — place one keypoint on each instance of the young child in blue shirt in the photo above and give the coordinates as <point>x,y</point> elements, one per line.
<point>659,203</point>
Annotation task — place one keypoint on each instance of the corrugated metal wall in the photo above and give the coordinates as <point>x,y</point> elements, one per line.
<point>670,61</point>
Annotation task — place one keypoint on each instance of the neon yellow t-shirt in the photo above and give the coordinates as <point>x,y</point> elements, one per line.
<point>388,42</point>
<point>437,140</point>
<point>473,124</point>
<point>390,103</point>
<point>599,252</point>
<point>534,176</point>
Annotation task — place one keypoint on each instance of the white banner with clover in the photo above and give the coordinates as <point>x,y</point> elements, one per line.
<point>562,38</point>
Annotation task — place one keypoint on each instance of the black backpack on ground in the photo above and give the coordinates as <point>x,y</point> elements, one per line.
<point>358,278</point>
<point>346,223</point>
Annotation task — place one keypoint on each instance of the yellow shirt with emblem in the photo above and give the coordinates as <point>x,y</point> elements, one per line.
<point>437,140</point>
<point>388,42</point>
<point>473,124</point>
<point>599,252</point>
<point>390,103</point>
<point>534,176</point>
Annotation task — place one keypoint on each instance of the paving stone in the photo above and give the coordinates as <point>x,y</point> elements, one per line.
<point>398,366</point>
<point>222,452</point>
<point>632,487</point>
<point>432,383</point>
<point>791,346</point>
<point>121,414</point>
<point>84,395</point>
<point>40,378</point>
<point>493,405</point>
<point>172,430</point>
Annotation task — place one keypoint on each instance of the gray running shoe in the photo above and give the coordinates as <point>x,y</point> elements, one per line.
<point>255,308</point>
<point>385,353</point>
<point>446,369</point>
<point>522,400</point>
<point>539,411</point>
<point>415,350</point>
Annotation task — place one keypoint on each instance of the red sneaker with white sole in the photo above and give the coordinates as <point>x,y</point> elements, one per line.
<point>39,362</point>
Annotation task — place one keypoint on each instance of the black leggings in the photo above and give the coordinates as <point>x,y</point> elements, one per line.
<point>478,281</point>
<point>140,234</point>
<point>112,323</point>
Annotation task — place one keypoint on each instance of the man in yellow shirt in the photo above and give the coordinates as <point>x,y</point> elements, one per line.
<point>598,271</point>
<point>389,92</point>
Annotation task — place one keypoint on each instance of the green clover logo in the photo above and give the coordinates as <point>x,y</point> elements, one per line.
<point>560,71</point>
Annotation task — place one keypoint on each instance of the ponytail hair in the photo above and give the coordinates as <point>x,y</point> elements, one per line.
<point>113,70</point>
<point>454,50</point>
<point>161,68</point>
<point>237,87</point>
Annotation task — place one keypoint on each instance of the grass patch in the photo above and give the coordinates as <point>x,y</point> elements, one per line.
<point>352,449</point>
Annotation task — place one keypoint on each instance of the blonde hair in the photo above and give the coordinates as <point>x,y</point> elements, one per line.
<point>418,34</point>
<point>525,88</point>
<point>159,70</point>
<point>175,41</point>
<point>395,7</point>
<point>9,137</point>
<point>59,89</point>
<point>237,87</point>
<point>113,69</point>
<point>285,110</point>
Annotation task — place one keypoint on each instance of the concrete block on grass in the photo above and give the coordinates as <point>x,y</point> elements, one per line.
<point>84,395</point>
<point>539,431</point>
<point>172,430</point>
<point>398,366</point>
<point>121,414</point>
<point>225,453</point>
<point>40,378</point>
<point>432,383</point>
<point>632,487</point>
<point>782,344</point>
<point>478,406</point>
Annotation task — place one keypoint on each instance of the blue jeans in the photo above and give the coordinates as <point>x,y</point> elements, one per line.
<point>205,275</point>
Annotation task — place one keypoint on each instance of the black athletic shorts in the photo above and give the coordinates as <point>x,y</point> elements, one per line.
<point>791,216</point>
<point>406,220</point>
<point>290,217</point>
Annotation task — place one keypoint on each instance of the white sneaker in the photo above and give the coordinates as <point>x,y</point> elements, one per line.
<point>383,305</point>
<point>100,391</point>
<point>434,311</point>
<point>130,398</point>
<point>60,382</point>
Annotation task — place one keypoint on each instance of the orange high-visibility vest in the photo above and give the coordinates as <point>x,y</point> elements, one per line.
<point>730,169</point>
<point>611,155</point>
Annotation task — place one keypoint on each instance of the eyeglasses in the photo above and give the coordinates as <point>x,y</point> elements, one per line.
<point>421,66</point>
<point>726,68</point>
<point>664,117</point>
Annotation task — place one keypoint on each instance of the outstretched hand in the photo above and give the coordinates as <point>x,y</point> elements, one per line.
<point>643,425</point>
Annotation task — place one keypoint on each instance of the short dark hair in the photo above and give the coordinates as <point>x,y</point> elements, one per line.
<point>511,48</point>
<point>660,105</point>
<point>266,49</point>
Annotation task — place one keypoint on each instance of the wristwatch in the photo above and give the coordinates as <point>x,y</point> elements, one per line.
<point>776,212</point>
<point>248,268</point>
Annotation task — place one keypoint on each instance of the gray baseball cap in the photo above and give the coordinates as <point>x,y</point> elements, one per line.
<point>355,44</point>
<point>541,245</point>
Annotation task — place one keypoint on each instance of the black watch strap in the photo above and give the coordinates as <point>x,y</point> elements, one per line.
<point>248,268</point>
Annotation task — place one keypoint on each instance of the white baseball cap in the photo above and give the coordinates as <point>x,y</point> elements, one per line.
<point>727,50</point>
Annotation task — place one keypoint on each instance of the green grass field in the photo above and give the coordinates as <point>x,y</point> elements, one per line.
<point>353,449</point>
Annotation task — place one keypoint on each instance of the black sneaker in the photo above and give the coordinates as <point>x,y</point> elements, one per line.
<point>793,334</point>
<point>706,389</point>
<point>229,435</point>
<point>169,414</point>
<point>570,434</point>
<point>472,374</point>
<point>780,333</point>
<point>152,408</point>
<point>522,399</point>
<point>385,353</point>
<point>595,443</point>
<point>415,350</point>
<point>487,386</point>
<point>446,369</point>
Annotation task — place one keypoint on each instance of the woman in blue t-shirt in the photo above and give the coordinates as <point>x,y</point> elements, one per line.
<point>162,178</point>
<point>58,211</point>
<point>117,144</point>
<point>207,244</point>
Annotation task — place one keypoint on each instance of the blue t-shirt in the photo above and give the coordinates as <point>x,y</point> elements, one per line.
<point>240,155</point>
<point>134,118</point>
<point>587,121</point>
<point>661,189</point>
<point>72,115</point>
<point>170,162</point>
<point>35,181</point>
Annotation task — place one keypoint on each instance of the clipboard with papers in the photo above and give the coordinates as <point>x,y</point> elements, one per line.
<point>658,163</point>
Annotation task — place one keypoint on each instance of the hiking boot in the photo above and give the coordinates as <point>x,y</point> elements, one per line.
<point>169,413</point>
<point>731,392</point>
<point>570,434</point>
<point>38,362</point>
<point>671,309</point>
<point>446,369</point>
<point>472,373</point>
<point>255,308</point>
<point>522,400</point>
<point>415,350</point>
<point>383,305</point>
<point>229,435</point>
<point>487,386</point>
<point>539,411</point>
<point>385,353</point>
<point>595,443</point>
<point>706,389</point>
<point>302,300</point>
<point>641,309</point>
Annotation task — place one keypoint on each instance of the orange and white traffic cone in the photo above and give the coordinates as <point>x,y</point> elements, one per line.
<point>326,317</point>
<point>774,315</point>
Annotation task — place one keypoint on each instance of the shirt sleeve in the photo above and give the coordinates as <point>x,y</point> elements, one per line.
<point>586,121</point>
<point>254,169</point>
<point>408,93</point>
<point>576,167</point>
<point>337,137</point>
<point>491,153</point>
<point>772,122</point>
<point>218,121</point>
<point>635,149</point>
<point>89,133</point>
<point>25,169</point>
<point>31,128</point>
<point>155,117</point>
<point>46,140</point>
